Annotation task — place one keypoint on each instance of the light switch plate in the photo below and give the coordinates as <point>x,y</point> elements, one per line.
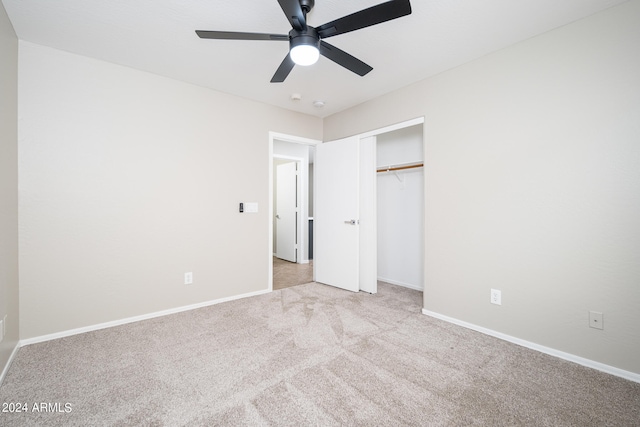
<point>250,207</point>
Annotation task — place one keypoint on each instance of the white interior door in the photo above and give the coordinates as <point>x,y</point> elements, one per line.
<point>286,211</point>
<point>336,219</point>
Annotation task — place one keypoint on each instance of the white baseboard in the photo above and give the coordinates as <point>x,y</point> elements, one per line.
<point>397,283</point>
<point>105,325</point>
<point>547,350</point>
<point>6,367</point>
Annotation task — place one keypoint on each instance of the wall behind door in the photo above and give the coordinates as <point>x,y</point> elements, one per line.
<point>401,209</point>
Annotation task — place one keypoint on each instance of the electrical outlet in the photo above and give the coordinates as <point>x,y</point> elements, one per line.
<point>596,320</point>
<point>496,297</point>
<point>188,278</point>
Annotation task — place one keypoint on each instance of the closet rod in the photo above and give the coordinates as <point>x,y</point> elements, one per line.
<point>397,168</point>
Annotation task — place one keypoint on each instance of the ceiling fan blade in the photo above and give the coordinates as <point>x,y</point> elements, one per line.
<point>365,18</point>
<point>232,35</point>
<point>341,57</point>
<point>283,70</point>
<point>293,12</point>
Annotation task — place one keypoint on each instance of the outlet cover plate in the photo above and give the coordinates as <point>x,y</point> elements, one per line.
<point>188,278</point>
<point>496,297</point>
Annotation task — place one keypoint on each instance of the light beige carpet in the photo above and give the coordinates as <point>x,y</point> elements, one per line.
<point>286,274</point>
<point>308,355</point>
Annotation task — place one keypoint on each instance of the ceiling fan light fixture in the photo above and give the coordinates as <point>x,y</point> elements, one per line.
<point>305,55</point>
<point>304,47</point>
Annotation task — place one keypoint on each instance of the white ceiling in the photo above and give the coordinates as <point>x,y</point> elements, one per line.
<point>158,36</point>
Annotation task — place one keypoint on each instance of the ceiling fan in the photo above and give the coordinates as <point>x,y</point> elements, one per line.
<point>306,43</point>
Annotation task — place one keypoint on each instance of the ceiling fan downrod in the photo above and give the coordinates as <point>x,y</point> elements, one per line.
<point>307,5</point>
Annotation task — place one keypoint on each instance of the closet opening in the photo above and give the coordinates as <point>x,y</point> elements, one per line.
<point>400,207</point>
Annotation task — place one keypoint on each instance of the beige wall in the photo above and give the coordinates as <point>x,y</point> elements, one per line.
<point>533,186</point>
<point>127,181</point>
<point>8,186</point>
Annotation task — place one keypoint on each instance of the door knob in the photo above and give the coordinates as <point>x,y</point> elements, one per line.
<point>351,222</point>
<point>278,216</point>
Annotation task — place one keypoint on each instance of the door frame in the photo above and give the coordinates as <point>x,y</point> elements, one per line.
<point>275,136</point>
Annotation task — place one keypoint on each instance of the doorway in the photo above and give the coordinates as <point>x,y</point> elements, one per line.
<point>289,154</point>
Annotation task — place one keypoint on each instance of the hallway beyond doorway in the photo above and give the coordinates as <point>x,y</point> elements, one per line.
<point>287,274</point>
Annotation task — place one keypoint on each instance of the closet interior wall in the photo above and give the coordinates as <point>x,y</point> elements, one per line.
<point>400,210</point>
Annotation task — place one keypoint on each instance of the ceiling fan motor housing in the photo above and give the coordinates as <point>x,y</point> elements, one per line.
<point>308,37</point>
